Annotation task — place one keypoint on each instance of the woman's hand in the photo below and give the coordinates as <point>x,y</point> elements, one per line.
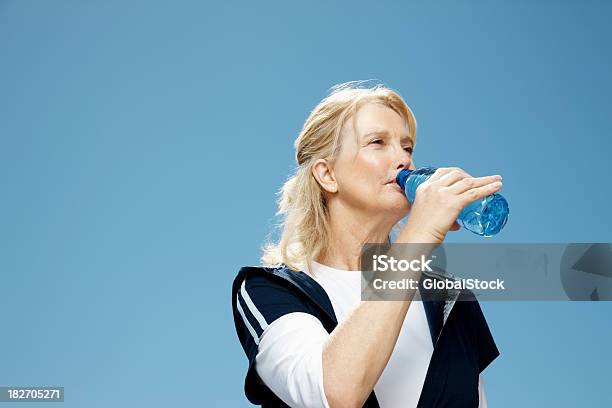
<point>441,198</point>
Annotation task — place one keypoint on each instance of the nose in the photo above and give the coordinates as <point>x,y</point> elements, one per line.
<point>403,159</point>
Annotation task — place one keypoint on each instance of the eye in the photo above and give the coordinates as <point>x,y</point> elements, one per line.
<point>409,149</point>
<point>377,141</point>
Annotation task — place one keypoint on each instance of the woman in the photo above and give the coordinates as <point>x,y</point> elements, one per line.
<point>310,339</point>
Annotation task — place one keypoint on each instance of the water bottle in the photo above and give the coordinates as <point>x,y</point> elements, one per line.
<point>485,217</point>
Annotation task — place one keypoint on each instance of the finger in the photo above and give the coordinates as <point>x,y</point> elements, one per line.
<point>440,172</point>
<point>468,183</point>
<point>477,193</point>
<point>452,177</point>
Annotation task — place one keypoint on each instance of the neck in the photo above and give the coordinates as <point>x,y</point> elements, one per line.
<point>349,231</point>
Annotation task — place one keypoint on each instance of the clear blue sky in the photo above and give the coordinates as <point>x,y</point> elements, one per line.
<point>142,143</point>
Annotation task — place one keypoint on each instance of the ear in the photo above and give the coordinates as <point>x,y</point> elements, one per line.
<point>324,174</point>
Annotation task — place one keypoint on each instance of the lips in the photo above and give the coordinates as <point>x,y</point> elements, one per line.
<point>393,180</point>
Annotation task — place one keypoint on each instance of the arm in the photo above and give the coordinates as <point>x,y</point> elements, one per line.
<point>359,348</point>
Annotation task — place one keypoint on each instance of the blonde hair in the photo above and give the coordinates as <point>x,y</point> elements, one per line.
<point>301,203</point>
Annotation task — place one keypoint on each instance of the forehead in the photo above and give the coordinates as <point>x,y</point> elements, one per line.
<point>376,118</point>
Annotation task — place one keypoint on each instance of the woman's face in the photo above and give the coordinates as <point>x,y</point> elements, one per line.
<point>372,154</point>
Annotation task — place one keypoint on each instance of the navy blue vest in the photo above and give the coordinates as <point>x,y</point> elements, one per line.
<point>463,344</point>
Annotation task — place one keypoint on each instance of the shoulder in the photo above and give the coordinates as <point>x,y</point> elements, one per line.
<point>268,282</point>
<point>260,295</point>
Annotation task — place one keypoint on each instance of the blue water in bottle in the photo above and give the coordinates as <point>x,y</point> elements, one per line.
<point>485,217</point>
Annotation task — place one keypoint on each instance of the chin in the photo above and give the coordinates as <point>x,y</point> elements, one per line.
<point>400,206</point>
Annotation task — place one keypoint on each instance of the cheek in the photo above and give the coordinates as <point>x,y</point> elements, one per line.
<point>366,183</point>
<point>372,167</point>
<point>363,179</point>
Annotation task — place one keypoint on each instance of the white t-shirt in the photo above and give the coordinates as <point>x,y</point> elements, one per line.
<point>289,358</point>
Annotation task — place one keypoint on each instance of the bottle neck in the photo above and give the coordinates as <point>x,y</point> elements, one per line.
<point>402,176</point>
